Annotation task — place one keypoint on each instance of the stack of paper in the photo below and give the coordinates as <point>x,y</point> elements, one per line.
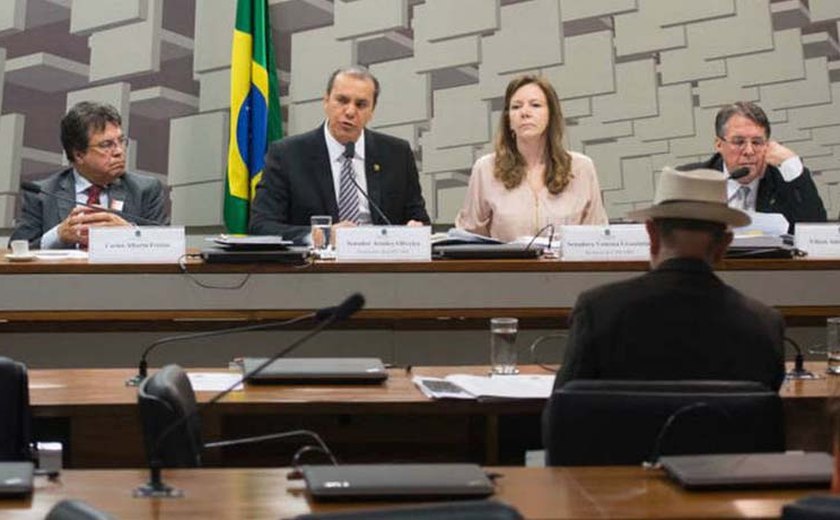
<point>463,386</point>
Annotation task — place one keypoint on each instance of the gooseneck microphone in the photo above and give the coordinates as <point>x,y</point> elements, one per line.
<point>143,366</point>
<point>798,371</point>
<point>344,310</point>
<point>349,153</point>
<point>32,187</point>
<point>740,172</point>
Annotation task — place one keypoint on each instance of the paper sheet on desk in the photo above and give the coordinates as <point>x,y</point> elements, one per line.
<point>493,387</point>
<point>214,381</point>
<point>773,224</point>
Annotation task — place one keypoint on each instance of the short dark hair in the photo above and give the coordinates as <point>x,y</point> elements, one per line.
<point>746,109</point>
<point>359,72</point>
<point>667,227</point>
<point>82,118</point>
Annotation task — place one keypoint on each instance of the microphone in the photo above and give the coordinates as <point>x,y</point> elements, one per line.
<point>798,371</point>
<point>37,189</point>
<point>350,152</point>
<point>337,311</point>
<point>344,310</point>
<point>740,172</point>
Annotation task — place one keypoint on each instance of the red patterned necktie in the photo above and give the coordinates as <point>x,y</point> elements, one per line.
<point>93,194</point>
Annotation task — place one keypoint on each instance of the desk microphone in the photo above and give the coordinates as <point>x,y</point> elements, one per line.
<point>740,172</point>
<point>798,371</point>
<point>155,486</point>
<point>35,188</point>
<point>349,153</point>
<point>143,366</point>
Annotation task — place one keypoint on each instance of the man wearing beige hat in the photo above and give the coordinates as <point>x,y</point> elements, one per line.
<point>678,321</point>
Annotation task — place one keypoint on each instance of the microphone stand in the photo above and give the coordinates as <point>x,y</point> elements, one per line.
<point>798,371</point>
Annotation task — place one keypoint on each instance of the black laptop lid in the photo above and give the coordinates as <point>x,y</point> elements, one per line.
<point>321,370</point>
<point>393,481</point>
<point>751,470</point>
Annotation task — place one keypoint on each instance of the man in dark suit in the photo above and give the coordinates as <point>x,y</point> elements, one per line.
<point>324,171</point>
<point>678,321</point>
<point>776,181</point>
<point>95,145</point>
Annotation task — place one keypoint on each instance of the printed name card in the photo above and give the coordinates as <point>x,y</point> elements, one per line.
<point>372,243</point>
<point>145,245</point>
<point>818,240</point>
<point>619,242</point>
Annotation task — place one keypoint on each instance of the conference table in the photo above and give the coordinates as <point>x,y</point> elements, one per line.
<point>96,416</point>
<point>440,294</point>
<point>579,493</point>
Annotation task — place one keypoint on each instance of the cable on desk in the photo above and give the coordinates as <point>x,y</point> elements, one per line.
<point>182,263</point>
<point>533,349</point>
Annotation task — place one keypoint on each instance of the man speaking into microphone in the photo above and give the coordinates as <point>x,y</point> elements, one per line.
<point>342,169</point>
<point>94,143</point>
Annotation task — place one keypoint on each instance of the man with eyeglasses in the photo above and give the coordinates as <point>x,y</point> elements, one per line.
<point>776,180</point>
<point>94,143</point>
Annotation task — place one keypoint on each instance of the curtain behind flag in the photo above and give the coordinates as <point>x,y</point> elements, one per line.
<point>254,109</point>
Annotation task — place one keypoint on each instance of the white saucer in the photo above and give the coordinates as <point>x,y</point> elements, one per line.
<point>20,258</point>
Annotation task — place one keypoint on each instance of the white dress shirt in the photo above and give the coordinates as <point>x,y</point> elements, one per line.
<point>336,152</point>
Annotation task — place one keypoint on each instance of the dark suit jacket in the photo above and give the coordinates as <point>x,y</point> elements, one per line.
<point>297,183</point>
<point>679,321</point>
<point>141,195</point>
<point>798,200</point>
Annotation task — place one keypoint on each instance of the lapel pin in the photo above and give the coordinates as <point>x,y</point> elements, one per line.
<point>376,167</point>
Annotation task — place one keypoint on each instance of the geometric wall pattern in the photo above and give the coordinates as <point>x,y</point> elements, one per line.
<point>640,82</point>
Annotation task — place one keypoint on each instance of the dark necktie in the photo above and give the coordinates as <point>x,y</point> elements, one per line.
<point>348,195</point>
<point>93,194</point>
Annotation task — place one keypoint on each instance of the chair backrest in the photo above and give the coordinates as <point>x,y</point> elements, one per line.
<point>76,510</point>
<point>469,510</point>
<point>164,398</point>
<point>15,426</point>
<point>819,507</point>
<point>603,422</point>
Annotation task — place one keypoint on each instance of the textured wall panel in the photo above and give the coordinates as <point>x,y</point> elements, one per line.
<point>12,16</point>
<point>95,15</point>
<point>364,17</point>
<point>128,49</point>
<point>405,99</point>
<point>315,54</point>
<point>588,69</point>
<point>212,20</point>
<point>460,117</point>
<point>197,204</point>
<point>444,19</point>
<point>198,148</point>
<point>635,94</point>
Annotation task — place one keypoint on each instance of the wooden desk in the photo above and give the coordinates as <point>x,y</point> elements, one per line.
<point>96,415</point>
<point>538,493</point>
<point>423,292</point>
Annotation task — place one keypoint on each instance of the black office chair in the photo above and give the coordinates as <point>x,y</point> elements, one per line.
<point>76,510</point>
<point>603,422</point>
<point>819,507</point>
<point>472,510</point>
<point>15,426</point>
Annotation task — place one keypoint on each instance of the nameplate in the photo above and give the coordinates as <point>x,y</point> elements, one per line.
<point>619,242</point>
<point>131,244</point>
<point>818,240</point>
<point>372,243</point>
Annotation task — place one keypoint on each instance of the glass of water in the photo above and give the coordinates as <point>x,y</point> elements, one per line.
<point>503,345</point>
<point>832,342</point>
<point>321,227</point>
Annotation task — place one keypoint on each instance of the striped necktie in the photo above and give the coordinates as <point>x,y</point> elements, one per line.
<point>744,193</point>
<point>348,198</point>
<point>93,194</point>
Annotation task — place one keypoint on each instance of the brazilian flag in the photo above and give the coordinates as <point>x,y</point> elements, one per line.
<point>254,109</point>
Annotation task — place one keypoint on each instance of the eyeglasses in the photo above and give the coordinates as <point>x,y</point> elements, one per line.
<point>111,145</point>
<point>741,143</point>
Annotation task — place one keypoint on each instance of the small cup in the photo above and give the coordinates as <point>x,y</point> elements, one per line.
<point>503,333</point>
<point>321,227</point>
<point>20,247</point>
<point>832,343</point>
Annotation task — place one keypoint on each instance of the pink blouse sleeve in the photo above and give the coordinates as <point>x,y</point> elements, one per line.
<point>475,214</point>
<point>595,213</point>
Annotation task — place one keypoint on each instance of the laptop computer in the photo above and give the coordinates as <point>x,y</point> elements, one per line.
<point>291,255</point>
<point>16,479</point>
<point>750,470</point>
<point>485,251</point>
<point>317,370</point>
<point>396,481</point>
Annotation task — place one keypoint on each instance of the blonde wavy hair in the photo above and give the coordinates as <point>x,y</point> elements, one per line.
<point>510,165</point>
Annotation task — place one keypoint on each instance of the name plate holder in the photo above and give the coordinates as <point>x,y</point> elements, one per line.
<point>599,243</point>
<point>136,245</point>
<point>383,243</point>
<point>818,240</point>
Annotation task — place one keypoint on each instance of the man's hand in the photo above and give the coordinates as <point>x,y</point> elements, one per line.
<point>777,154</point>
<point>75,228</point>
<point>342,224</point>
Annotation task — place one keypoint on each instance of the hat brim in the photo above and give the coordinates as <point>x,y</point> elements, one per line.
<point>695,211</point>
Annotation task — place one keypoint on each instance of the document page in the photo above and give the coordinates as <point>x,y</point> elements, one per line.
<point>463,386</point>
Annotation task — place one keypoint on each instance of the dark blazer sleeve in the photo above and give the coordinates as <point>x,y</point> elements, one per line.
<point>30,224</point>
<point>153,201</point>
<point>798,200</point>
<point>271,208</point>
<point>415,205</point>
<point>581,358</point>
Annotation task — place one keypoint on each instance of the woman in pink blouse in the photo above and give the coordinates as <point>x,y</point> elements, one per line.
<point>531,180</point>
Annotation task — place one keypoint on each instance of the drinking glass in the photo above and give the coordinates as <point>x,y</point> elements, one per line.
<point>321,227</point>
<point>503,345</point>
